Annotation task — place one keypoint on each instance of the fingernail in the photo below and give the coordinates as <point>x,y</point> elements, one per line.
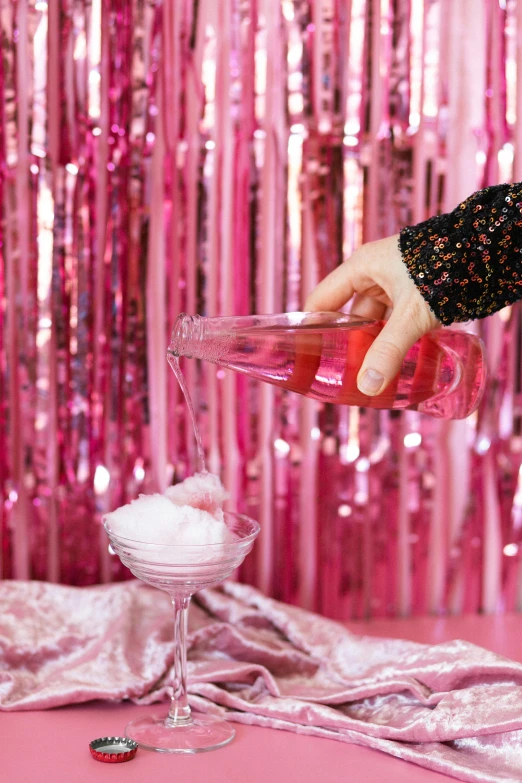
<point>370,382</point>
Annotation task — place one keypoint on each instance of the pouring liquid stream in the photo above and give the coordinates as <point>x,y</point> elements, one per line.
<point>176,369</point>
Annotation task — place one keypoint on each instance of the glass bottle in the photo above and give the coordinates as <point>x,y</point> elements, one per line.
<point>319,355</point>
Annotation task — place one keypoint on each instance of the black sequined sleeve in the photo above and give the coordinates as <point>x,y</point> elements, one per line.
<point>467,264</point>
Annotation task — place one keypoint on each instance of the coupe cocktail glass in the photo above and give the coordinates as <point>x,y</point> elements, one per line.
<point>182,570</point>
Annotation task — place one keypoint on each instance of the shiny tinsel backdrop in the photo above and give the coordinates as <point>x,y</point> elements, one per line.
<point>221,157</point>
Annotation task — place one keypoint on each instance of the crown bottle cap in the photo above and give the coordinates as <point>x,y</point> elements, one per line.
<point>113,750</point>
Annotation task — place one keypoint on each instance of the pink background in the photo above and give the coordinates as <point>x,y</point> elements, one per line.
<point>221,158</point>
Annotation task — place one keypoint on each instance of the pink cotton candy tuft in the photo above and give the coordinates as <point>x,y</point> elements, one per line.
<point>189,514</point>
<point>202,490</point>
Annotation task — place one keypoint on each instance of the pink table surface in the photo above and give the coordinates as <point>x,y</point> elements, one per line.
<point>52,745</point>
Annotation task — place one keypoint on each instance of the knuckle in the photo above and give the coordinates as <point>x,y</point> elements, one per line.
<point>418,315</point>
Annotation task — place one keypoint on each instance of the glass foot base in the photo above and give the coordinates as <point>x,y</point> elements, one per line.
<point>206,732</point>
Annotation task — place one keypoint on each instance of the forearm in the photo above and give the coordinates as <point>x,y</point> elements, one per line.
<point>467,263</point>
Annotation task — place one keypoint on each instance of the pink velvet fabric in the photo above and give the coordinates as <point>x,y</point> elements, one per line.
<point>452,707</point>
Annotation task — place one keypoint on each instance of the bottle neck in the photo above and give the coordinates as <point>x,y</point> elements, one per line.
<point>187,335</point>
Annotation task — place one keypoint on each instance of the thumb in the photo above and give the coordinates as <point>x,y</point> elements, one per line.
<point>384,358</point>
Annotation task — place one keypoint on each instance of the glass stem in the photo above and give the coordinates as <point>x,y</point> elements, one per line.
<point>179,714</point>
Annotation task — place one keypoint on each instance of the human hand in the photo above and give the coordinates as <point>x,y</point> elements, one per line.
<point>377,278</point>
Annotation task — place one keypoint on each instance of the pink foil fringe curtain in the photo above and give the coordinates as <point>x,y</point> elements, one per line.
<point>221,157</point>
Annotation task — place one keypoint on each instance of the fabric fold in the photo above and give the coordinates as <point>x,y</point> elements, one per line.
<point>452,707</point>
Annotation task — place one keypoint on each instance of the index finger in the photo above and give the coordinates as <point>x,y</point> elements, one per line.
<point>332,292</point>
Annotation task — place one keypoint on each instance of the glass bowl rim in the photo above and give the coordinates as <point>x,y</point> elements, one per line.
<point>246,539</point>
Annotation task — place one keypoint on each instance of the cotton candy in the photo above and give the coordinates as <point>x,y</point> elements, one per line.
<point>202,490</point>
<point>188,514</point>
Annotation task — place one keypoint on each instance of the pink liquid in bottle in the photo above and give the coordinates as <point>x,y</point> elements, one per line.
<point>319,355</point>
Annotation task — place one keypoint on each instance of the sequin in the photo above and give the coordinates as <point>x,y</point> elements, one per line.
<point>469,289</point>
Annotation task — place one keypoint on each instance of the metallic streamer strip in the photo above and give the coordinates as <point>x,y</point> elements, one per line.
<point>25,214</point>
<point>214,172</point>
<point>235,251</point>
<point>178,271</point>
<point>244,245</point>
<point>46,555</point>
<point>441,516</point>
<point>98,135</point>
<point>324,35</point>
<point>416,114</point>
<point>227,85</point>
<point>198,90</point>
<point>15,326</point>
<point>63,278</point>
<point>495,124</point>
<point>461,101</point>
<point>312,25</point>
<point>156,296</point>
<point>114,115</point>
<point>273,122</point>
<point>291,574</point>
<point>249,429</point>
<point>508,458</point>
<point>144,66</point>
<point>508,463</point>
<point>5,467</point>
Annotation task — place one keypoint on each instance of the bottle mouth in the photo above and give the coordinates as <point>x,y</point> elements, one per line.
<point>186,329</point>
